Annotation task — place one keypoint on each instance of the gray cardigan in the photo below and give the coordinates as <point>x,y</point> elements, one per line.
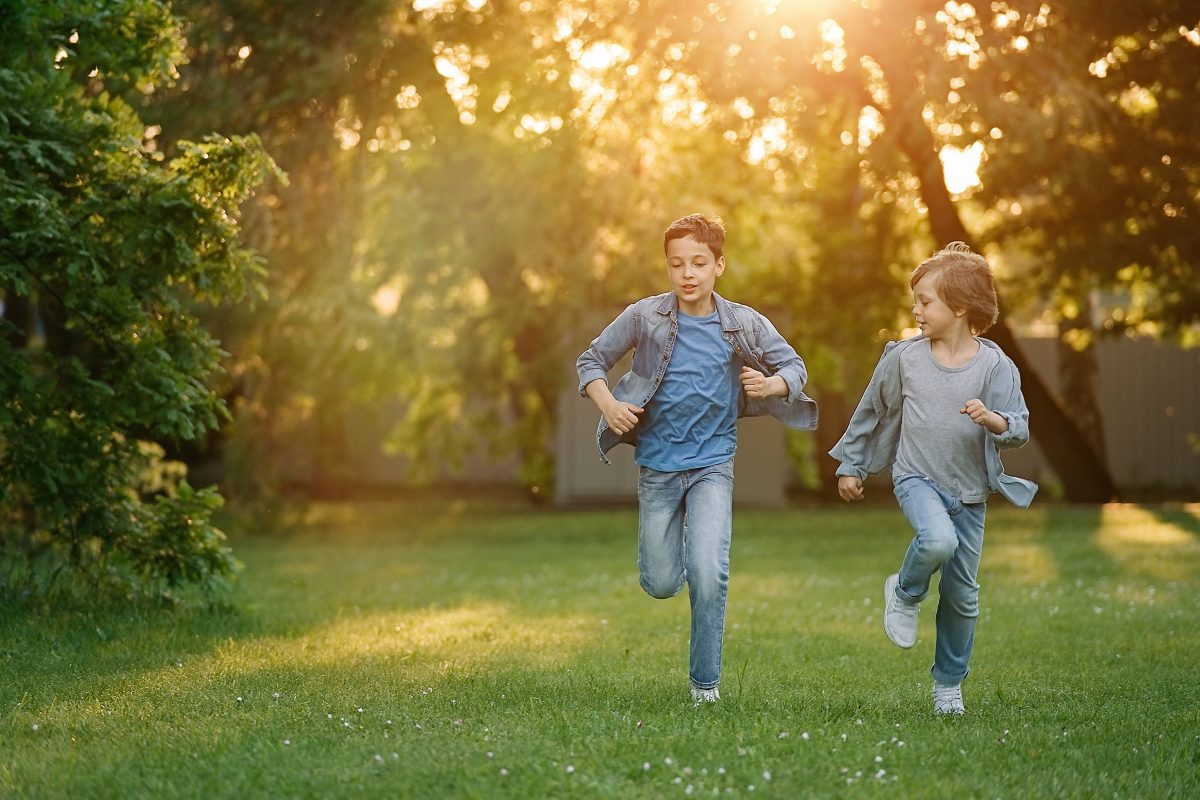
<point>870,441</point>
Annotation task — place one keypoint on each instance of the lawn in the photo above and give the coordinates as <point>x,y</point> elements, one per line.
<point>450,650</point>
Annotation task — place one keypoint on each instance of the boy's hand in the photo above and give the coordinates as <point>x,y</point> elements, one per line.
<point>755,384</point>
<point>981,416</point>
<point>622,417</point>
<point>850,488</point>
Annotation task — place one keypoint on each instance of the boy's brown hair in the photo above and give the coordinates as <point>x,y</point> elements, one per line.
<point>704,229</point>
<point>965,283</point>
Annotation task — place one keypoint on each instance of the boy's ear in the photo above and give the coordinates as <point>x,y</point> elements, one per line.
<point>720,265</point>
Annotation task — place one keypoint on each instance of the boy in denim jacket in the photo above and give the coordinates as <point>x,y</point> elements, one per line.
<point>699,363</point>
<point>938,410</point>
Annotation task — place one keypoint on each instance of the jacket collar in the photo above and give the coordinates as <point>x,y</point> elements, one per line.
<point>669,306</point>
<point>887,348</point>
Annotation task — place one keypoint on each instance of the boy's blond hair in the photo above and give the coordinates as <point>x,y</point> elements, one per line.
<point>965,283</point>
<point>707,230</point>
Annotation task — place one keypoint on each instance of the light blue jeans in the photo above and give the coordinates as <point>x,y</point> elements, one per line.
<point>949,537</point>
<point>685,525</point>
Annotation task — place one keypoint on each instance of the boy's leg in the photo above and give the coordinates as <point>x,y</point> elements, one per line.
<point>660,532</point>
<point>935,540</point>
<point>709,532</point>
<point>958,607</point>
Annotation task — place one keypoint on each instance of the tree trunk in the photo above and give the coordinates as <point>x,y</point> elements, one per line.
<point>18,310</point>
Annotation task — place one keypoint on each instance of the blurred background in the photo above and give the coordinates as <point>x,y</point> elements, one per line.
<point>475,188</point>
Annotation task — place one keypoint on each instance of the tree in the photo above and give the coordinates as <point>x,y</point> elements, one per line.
<point>105,249</point>
<point>918,76</point>
<point>469,179</point>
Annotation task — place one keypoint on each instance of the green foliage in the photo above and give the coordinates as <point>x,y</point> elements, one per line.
<point>105,247</point>
<point>476,188</point>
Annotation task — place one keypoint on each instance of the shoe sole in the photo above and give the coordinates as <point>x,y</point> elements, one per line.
<point>889,588</point>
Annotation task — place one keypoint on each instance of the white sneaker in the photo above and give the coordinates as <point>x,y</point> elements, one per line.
<point>705,695</point>
<point>947,700</point>
<point>899,616</point>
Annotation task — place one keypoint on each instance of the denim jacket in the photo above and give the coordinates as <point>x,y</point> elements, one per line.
<point>649,328</point>
<point>870,441</point>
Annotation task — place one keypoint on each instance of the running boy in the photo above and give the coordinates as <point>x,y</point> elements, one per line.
<point>699,363</point>
<point>938,410</point>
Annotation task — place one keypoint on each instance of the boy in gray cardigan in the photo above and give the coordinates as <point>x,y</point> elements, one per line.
<point>939,408</point>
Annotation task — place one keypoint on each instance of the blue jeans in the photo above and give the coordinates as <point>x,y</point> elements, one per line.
<point>949,537</point>
<point>685,525</point>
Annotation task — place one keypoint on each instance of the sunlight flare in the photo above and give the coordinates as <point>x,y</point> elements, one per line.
<point>960,166</point>
<point>1142,542</point>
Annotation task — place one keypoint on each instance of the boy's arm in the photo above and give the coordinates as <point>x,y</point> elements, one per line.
<point>783,361</point>
<point>1008,403</point>
<point>620,416</point>
<point>851,449</point>
<point>606,350</point>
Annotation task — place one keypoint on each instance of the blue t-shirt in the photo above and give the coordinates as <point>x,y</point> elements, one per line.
<point>691,422</point>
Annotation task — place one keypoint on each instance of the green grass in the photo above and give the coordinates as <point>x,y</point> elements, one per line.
<point>451,651</point>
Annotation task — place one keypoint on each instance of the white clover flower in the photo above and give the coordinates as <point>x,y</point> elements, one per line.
<point>766,775</point>
<point>570,768</point>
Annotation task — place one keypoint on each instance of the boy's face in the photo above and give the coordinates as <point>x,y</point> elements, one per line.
<point>693,271</point>
<point>933,315</point>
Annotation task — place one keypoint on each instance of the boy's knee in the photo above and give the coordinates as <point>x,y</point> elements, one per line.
<point>708,582</point>
<point>661,589</point>
<point>941,548</point>
<point>963,600</point>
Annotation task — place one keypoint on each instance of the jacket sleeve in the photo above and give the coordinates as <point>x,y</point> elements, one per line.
<point>855,449</point>
<point>780,357</point>
<point>607,349</point>
<point>1005,398</point>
